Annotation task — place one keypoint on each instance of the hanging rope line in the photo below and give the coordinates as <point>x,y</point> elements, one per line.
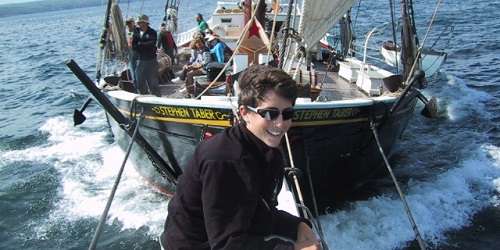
<point>393,22</point>
<point>238,45</point>
<point>142,7</point>
<point>285,36</point>
<point>356,17</point>
<point>301,204</point>
<point>104,214</point>
<point>272,32</point>
<point>421,243</point>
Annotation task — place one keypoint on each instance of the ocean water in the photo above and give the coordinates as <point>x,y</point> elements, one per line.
<point>55,178</point>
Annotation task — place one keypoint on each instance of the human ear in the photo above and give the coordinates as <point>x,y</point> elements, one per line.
<point>243,113</point>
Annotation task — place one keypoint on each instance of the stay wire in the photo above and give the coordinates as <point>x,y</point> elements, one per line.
<point>104,214</point>
<point>420,241</point>
<point>301,203</point>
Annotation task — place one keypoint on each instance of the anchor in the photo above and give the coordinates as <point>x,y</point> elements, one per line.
<point>78,116</point>
<point>430,109</point>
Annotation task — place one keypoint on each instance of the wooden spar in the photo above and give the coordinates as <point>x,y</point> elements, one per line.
<point>171,172</point>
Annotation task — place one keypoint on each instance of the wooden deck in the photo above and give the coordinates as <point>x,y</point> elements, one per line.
<point>333,87</point>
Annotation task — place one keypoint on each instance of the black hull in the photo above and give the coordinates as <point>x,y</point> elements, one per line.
<point>335,149</point>
<point>341,159</point>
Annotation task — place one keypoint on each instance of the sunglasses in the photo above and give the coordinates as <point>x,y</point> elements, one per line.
<point>271,114</point>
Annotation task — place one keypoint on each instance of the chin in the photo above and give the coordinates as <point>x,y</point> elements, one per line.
<point>272,142</point>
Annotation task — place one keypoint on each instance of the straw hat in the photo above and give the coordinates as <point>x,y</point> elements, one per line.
<point>130,20</point>
<point>210,37</point>
<point>143,19</point>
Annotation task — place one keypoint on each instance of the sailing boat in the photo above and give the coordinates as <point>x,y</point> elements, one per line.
<point>331,148</point>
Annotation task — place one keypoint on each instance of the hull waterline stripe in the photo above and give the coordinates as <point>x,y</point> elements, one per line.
<point>220,123</point>
<point>226,123</point>
<point>327,122</point>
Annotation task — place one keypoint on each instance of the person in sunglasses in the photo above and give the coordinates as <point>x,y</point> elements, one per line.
<point>227,196</point>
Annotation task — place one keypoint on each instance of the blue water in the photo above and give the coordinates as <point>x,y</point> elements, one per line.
<point>55,178</point>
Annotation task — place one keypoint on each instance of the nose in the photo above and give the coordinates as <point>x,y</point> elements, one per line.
<point>280,123</point>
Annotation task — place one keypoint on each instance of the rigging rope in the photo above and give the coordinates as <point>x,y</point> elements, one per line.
<point>356,17</point>
<point>142,7</point>
<point>421,243</point>
<point>285,36</point>
<point>238,44</point>
<point>272,32</point>
<point>419,51</point>
<point>104,214</point>
<point>391,3</point>
<point>301,204</point>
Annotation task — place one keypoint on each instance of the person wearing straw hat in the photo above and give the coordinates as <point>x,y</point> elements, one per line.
<point>220,51</point>
<point>227,196</point>
<point>144,44</point>
<point>132,55</point>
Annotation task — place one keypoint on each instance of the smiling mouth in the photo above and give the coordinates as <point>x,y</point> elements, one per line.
<point>275,132</point>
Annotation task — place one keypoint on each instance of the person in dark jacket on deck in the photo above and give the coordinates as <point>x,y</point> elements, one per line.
<point>144,44</point>
<point>166,41</point>
<point>227,196</point>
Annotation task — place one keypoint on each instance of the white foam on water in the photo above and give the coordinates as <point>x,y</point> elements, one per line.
<point>64,143</point>
<point>445,202</point>
<point>88,165</point>
<point>135,205</point>
<point>461,100</point>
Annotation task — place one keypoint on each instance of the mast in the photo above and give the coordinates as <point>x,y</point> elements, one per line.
<point>408,41</point>
<point>103,39</point>
<point>346,34</point>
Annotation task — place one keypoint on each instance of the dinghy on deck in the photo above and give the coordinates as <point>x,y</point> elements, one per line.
<point>431,59</point>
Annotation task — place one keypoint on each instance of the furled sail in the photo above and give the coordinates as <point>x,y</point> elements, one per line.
<point>319,16</point>
<point>118,32</point>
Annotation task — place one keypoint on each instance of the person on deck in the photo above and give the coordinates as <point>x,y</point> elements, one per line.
<point>167,44</point>
<point>144,44</point>
<point>166,41</point>
<point>132,55</point>
<point>227,196</point>
<point>218,49</point>
<point>202,25</point>
<point>200,57</point>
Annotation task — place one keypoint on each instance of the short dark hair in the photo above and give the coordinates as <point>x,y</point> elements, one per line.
<point>256,80</point>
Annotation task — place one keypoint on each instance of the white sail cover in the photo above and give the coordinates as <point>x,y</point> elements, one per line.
<point>319,16</point>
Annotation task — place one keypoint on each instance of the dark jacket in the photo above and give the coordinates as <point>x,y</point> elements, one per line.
<point>166,42</point>
<point>227,195</point>
<point>145,45</point>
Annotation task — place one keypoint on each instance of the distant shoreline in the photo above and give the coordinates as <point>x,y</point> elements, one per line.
<point>14,9</point>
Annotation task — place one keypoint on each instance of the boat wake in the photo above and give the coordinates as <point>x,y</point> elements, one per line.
<point>86,162</point>
<point>450,172</point>
<point>446,202</point>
